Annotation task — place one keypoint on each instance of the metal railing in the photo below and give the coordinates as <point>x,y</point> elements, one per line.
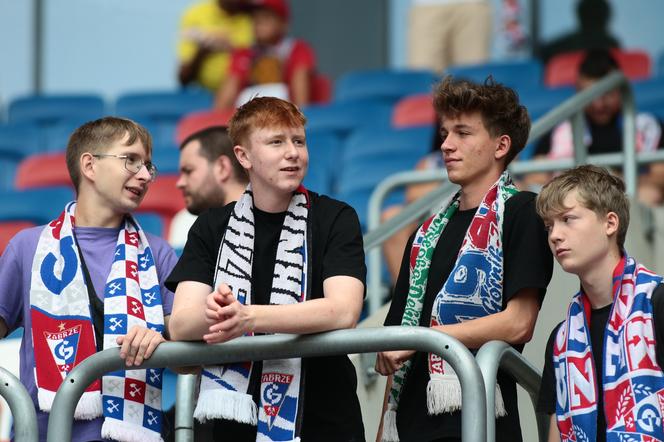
<point>473,410</point>
<point>21,405</point>
<point>498,354</point>
<point>571,108</point>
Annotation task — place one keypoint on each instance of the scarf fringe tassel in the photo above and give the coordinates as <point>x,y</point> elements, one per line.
<point>88,407</point>
<point>390,433</point>
<point>218,403</point>
<point>444,396</point>
<point>128,432</point>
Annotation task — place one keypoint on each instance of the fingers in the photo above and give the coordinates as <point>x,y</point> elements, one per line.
<point>138,345</point>
<point>388,362</point>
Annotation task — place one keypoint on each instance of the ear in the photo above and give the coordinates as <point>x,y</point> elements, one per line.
<point>223,169</point>
<point>243,156</point>
<point>612,223</point>
<point>504,143</point>
<point>86,165</point>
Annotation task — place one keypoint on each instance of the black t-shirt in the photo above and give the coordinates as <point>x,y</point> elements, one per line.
<point>527,264</point>
<point>331,408</point>
<point>546,402</point>
<point>606,138</point>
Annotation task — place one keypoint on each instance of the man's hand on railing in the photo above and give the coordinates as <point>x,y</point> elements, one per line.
<point>387,362</point>
<point>138,344</point>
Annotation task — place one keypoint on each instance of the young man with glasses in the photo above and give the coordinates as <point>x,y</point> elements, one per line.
<point>91,280</point>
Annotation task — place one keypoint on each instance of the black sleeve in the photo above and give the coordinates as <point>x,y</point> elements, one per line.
<point>528,261</point>
<point>400,292</point>
<point>661,137</point>
<point>344,248</point>
<point>543,146</point>
<point>546,400</point>
<point>199,257</point>
<point>658,320</point>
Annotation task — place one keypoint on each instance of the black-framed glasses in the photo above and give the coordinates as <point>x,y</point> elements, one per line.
<point>133,163</point>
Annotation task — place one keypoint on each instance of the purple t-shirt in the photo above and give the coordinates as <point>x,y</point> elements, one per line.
<point>98,246</point>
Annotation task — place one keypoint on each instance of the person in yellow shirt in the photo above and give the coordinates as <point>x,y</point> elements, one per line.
<point>208,32</point>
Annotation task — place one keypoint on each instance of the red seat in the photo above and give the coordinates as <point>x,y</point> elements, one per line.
<point>414,110</point>
<point>42,170</point>
<point>10,228</point>
<point>321,90</point>
<point>563,69</point>
<point>196,121</point>
<point>164,199</point>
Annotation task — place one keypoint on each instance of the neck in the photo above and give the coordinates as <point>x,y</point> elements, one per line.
<point>234,191</point>
<point>597,282</point>
<point>271,202</point>
<point>88,214</point>
<point>473,193</point>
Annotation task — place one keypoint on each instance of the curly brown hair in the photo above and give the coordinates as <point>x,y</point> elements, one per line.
<point>497,104</point>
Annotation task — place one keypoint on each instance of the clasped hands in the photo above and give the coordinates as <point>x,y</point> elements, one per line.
<point>226,316</point>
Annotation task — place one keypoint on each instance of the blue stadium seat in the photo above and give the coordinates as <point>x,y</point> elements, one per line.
<point>39,206</point>
<point>18,140</point>
<point>162,106</point>
<point>54,138</point>
<point>540,100</point>
<point>151,223</point>
<point>383,84</point>
<point>324,153</point>
<point>344,117</point>
<point>371,155</point>
<point>515,74</point>
<point>47,110</point>
<point>167,161</point>
<point>649,93</point>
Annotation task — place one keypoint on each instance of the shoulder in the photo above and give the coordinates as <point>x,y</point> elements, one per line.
<point>26,240</point>
<point>201,9</point>
<point>158,244</point>
<point>214,218</point>
<point>324,206</point>
<point>658,295</point>
<point>524,200</point>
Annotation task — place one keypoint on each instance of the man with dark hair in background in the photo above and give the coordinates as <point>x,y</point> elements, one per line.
<point>603,121</point>
<point>210,176</point>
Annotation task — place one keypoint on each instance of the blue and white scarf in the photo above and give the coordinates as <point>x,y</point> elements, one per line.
<point>472,290</point>
<point>632,381</point>
<point>63,333</point>
<point>224,389</point>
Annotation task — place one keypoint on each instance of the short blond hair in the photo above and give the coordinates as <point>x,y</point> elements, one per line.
<point>260,113</point>
<point>597,189</point>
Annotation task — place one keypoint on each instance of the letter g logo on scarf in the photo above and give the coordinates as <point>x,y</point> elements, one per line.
<point>47,270</point>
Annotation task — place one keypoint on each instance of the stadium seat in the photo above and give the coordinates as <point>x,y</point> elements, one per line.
<point>344,117</point>
<point>415,110</point>
<point>197,121</point>
<point>46,110</point>
<point>37,206</point>
<point>390,85</point>
<point>164,199</point>
<point>42,170</point>
<point>515,74</point>
<point>18,140</point>
<point>324,153</point>
<point>376,142</point>
<point>541,100</point>
<point>649,93</point>
<point>10,228</point>
<point>322,89</point>
<point>160,112</point>
<point>166,160</point>
<point>562,69</point>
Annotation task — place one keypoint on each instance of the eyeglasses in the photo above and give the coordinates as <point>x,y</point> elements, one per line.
<point>133,164</point>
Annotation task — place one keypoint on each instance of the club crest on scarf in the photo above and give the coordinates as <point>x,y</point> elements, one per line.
<point>633,383</point>
<point>273,391</point>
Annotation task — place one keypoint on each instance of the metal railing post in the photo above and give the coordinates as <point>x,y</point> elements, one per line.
<point>21,405</point>
<point>498,354</point>
<point>629,140</point>
<point>185,390</point>
<point>473,408</point>
<point>578,133</point>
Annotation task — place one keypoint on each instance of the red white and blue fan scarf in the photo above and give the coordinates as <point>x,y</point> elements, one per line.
<point>63,333</point>
<point>224,389</point>
<point>474,289</point>
<point>632,381</point>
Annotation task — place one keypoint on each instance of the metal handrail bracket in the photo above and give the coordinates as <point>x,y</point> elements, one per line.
<point>21,405</point>
<point>498,354</point>
<point>473,410</point>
